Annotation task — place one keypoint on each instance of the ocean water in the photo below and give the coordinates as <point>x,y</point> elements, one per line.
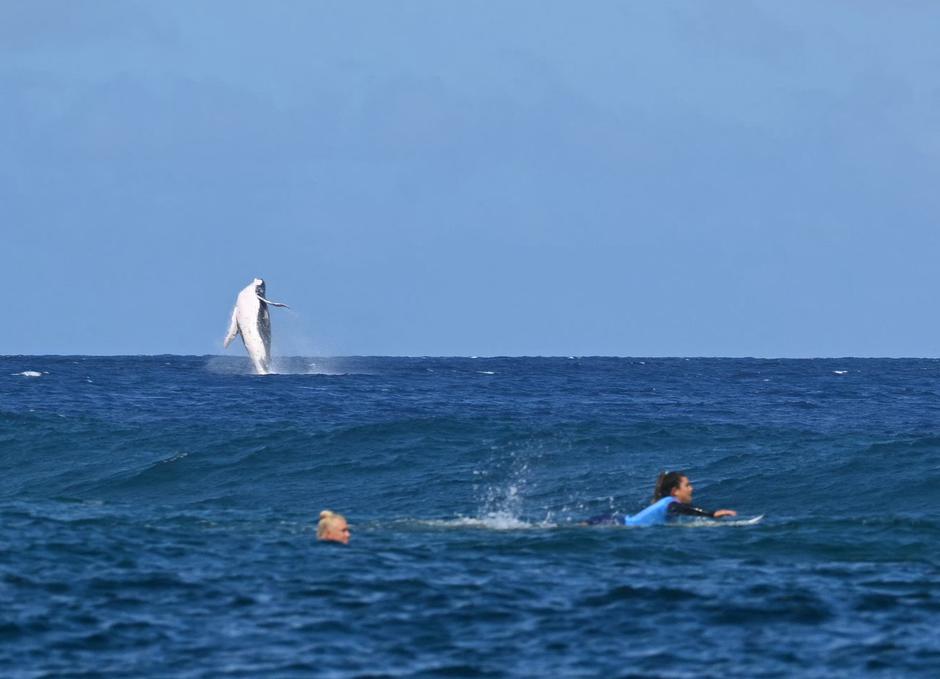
<point>157,517</point>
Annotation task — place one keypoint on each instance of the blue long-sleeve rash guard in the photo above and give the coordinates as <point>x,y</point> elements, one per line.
<point>662,511</point>
<point>657,513</point>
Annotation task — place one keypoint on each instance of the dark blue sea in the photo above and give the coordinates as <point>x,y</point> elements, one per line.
<point>157,517</point>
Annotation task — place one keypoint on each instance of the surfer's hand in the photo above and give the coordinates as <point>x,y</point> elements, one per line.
<point>725,512</point>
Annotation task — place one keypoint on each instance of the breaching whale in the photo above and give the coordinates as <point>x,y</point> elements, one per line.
<point>251,319</point>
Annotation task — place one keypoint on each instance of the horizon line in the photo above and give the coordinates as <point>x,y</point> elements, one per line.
<point>490,356</point>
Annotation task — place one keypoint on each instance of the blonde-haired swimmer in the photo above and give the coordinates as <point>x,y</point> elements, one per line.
<point>333,527</point>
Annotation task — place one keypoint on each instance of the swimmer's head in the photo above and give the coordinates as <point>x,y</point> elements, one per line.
<point>333,527</point>
<point>675,484</point>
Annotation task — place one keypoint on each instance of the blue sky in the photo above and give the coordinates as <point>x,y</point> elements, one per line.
<point>475,178</point>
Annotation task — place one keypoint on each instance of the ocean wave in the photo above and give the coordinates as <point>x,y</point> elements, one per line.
<point>496,466</point>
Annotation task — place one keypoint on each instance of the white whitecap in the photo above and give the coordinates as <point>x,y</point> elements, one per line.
<point>840,372</point>
<point>494,521</point>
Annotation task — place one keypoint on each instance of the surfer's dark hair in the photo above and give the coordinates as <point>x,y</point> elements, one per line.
<point>666,483</point>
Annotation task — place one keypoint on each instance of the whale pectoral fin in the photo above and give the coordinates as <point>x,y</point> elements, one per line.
<point>232,329</point>
<point>272,303</point>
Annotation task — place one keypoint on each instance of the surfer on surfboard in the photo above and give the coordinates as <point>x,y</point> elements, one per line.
<point>672,498</point>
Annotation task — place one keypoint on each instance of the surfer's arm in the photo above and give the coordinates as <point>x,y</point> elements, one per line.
<point>681,509</point>
<point>232,329</point>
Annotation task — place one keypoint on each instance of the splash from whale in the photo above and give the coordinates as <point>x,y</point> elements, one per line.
<point>251,320</point>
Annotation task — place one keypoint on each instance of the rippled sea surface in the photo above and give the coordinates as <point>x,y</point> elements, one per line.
<point>157,517</point>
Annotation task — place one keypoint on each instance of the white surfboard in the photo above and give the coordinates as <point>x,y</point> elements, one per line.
<point>702,522</point>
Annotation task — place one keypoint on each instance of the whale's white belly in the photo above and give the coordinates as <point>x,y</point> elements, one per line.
<point>254,325</point>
